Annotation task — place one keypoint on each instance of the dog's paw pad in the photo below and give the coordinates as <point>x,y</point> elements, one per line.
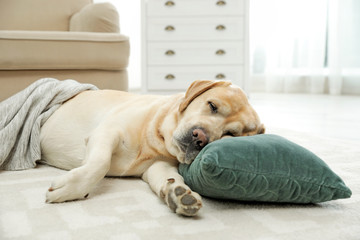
<point>171,203</point>
<point>179,191</point>
<point>188,200</point>
<point>183,201</point>
<point>191,211</point>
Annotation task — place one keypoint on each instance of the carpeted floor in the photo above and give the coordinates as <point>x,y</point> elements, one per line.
<point>128,209</point>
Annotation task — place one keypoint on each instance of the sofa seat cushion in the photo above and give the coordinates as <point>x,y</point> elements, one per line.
<point>21,50</point>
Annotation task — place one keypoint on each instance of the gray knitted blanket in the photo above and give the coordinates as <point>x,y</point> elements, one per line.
<point>22,115</point>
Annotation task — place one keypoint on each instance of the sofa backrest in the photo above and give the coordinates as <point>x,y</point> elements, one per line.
<point>38,15</point>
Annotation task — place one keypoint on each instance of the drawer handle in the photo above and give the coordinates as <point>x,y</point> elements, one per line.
<point>221,3</point>
<point>169,53</point>
<point>220,52</point>
<point>169,77</point>
<point>220,76</point>
<point>169,28</point>
<point>220,27</point>
<point>169,3</point>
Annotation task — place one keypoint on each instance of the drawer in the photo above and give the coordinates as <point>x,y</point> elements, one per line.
<point>192,28</point>
<point>180,78</point>
<point>195,7</point>
<point>200,53</point>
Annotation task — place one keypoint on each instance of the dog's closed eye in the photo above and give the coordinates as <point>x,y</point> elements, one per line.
<point>213,107</point>
<point>229,133</point>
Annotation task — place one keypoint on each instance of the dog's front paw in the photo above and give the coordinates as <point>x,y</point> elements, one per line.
<point>67,187</point>
<point>181,199</point>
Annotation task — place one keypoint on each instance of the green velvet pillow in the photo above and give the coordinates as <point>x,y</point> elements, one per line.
<point>266,168</point>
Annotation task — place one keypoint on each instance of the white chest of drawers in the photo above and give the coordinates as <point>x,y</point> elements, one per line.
<point>186,40</point>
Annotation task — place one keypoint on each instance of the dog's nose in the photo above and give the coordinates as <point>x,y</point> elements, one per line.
<point>199,137</point>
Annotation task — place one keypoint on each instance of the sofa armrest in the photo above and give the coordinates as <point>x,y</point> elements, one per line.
<point>99,17</point>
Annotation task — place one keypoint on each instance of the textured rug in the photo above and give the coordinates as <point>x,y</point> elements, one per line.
<point>128,209</point>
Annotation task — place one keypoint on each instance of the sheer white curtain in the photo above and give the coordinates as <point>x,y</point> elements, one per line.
<point>130,25</point>
<point>305,46</point>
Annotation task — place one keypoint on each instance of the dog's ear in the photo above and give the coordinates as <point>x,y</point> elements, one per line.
<point>197,88</point>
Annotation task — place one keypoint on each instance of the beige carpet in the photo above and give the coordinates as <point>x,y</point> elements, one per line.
<point>127,209</point>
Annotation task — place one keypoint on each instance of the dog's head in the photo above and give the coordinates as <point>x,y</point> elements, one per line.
<point>211,110</point>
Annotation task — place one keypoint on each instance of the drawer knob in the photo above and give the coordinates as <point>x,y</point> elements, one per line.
<point>169,77</point>
<point>220,52</point>
<point>220,27</point>
<point>220,76</point>
<point>220,3</point>
<point>169,3</point>
<point>169,28</point>
<point>169,53</point>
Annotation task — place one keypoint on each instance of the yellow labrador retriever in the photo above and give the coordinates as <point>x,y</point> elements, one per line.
<point>112,133</point>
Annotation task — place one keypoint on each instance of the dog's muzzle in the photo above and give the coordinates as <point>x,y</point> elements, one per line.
<point>192,142</point>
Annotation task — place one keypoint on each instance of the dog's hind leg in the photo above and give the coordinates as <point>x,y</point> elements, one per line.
<point>167,183</point>
<point>77,183</point>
